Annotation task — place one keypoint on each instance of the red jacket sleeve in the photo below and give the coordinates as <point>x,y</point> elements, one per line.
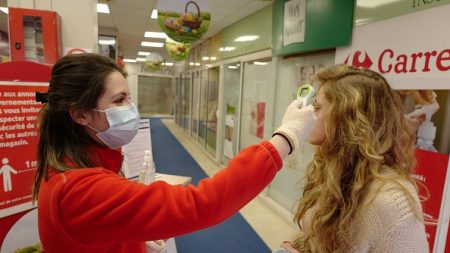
<point>95,205</point>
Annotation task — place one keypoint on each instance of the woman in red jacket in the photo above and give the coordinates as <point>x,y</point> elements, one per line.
<point>85,206</point>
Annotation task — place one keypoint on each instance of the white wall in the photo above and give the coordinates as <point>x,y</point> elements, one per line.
<point>133,86</point>
<point>79,24</point>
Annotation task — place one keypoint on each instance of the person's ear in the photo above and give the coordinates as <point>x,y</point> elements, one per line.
<point>81,116</point>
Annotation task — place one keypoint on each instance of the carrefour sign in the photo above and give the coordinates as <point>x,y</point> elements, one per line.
<point>391,62</point>
<point>406,50</point>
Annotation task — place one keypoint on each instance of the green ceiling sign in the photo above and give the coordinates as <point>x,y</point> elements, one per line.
<point>311,25</point>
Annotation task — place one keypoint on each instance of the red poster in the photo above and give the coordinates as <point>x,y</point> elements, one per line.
<point>431,171</point>
<point>260,117</point>
<point>18,144</point>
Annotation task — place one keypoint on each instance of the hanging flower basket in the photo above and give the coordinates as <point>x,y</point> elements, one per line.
<point>191,20</point>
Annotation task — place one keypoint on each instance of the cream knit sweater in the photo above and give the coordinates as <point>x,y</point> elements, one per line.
<point>386,223</point>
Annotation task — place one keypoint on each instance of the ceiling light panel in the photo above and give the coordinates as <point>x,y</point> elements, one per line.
<point>102,8</point>
<point>152,44</point>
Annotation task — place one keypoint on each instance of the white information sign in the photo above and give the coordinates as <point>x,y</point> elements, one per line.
<point>294,22</point>
<point>411,51</point>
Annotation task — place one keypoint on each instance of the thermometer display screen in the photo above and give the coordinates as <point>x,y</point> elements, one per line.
<point>303,92</point>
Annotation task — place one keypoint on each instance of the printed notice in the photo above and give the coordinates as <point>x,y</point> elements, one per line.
<point>134,151</point>
<point>18,144</point>
<point>431,172</point>
<point>294,22</point>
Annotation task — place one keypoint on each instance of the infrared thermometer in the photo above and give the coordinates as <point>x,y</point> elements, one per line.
<point>305,93</point>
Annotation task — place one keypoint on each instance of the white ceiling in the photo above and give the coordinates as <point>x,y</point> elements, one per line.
<point>129,19</point>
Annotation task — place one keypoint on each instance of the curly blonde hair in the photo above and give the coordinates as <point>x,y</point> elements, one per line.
<point>366,136</point>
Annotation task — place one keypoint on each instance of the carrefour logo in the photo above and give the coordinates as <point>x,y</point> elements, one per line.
<point>357,62</point>
<point>388,61</point>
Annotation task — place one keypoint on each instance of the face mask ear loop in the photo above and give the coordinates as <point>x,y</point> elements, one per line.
<point>93,128</point>
<point>97,110</point>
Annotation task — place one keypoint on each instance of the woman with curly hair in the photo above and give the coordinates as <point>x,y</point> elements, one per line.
<point>359,196</point>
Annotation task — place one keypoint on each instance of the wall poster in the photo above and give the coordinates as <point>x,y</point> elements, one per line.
<point>18,135</point>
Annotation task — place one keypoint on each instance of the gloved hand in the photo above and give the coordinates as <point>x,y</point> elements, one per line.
<point>158,246</point>
<point>288,247</point>
<point>297,124</point>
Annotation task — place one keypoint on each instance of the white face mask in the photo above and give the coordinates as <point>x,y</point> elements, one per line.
<point>123,125</point>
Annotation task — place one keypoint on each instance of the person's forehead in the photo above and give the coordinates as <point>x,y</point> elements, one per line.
<point>320,96</point>
<point>116,84</point>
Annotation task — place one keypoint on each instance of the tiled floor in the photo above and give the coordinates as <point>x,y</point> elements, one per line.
<point>270,226</point>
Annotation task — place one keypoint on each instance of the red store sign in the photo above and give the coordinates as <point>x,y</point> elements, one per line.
<point>19,82</point>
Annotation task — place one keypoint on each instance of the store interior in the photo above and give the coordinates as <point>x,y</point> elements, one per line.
<point>230,87</point>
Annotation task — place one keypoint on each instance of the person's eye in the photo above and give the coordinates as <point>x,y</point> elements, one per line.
<point>316,109</point>
<point>119,100</point>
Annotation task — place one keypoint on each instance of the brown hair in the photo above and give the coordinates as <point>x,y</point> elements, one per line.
<point>77,81</point>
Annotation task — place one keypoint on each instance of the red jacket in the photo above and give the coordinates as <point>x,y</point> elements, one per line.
<point>95,210</point>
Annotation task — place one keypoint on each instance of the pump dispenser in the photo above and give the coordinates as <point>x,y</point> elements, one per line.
<point>147,173</point>
<point>427,131</point>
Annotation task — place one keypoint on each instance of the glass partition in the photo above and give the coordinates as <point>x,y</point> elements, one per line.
<point>258,97</point>
<point>293,72</point>
<point>186,101</point>
<point>232,77</point>
<point>211,113</point>
<point>177,101</point>
<point>203,109</point>
<point>155,95</point>
<point>195,103</point>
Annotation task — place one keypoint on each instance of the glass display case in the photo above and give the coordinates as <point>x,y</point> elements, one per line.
<point>4,38</point>
<point>34,35</point>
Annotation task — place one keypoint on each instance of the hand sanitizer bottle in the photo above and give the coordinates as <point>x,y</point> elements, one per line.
<point>147,173</point>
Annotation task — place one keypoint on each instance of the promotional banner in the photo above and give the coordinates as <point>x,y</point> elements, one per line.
<point>431,173</point>
<point>18,135</point>
<point>258,116</point>
<point>418,57</point>
<point>18,142</point>
<point>184,21</point>
<point>19,80</point>
<point>177,50</point>
<point>153,62</point>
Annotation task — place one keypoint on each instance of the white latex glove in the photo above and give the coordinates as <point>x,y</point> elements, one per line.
<point>297,124</point>
<point>288,247</point>
<point>158,246</point>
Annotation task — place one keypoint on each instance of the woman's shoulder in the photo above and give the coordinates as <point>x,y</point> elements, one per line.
<point>75,174</point>
<point>394,201</point>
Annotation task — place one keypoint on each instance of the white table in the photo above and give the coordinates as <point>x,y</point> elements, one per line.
<point>173,180</point>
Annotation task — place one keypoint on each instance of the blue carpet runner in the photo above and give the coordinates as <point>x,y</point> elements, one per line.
<point>234,235</point>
